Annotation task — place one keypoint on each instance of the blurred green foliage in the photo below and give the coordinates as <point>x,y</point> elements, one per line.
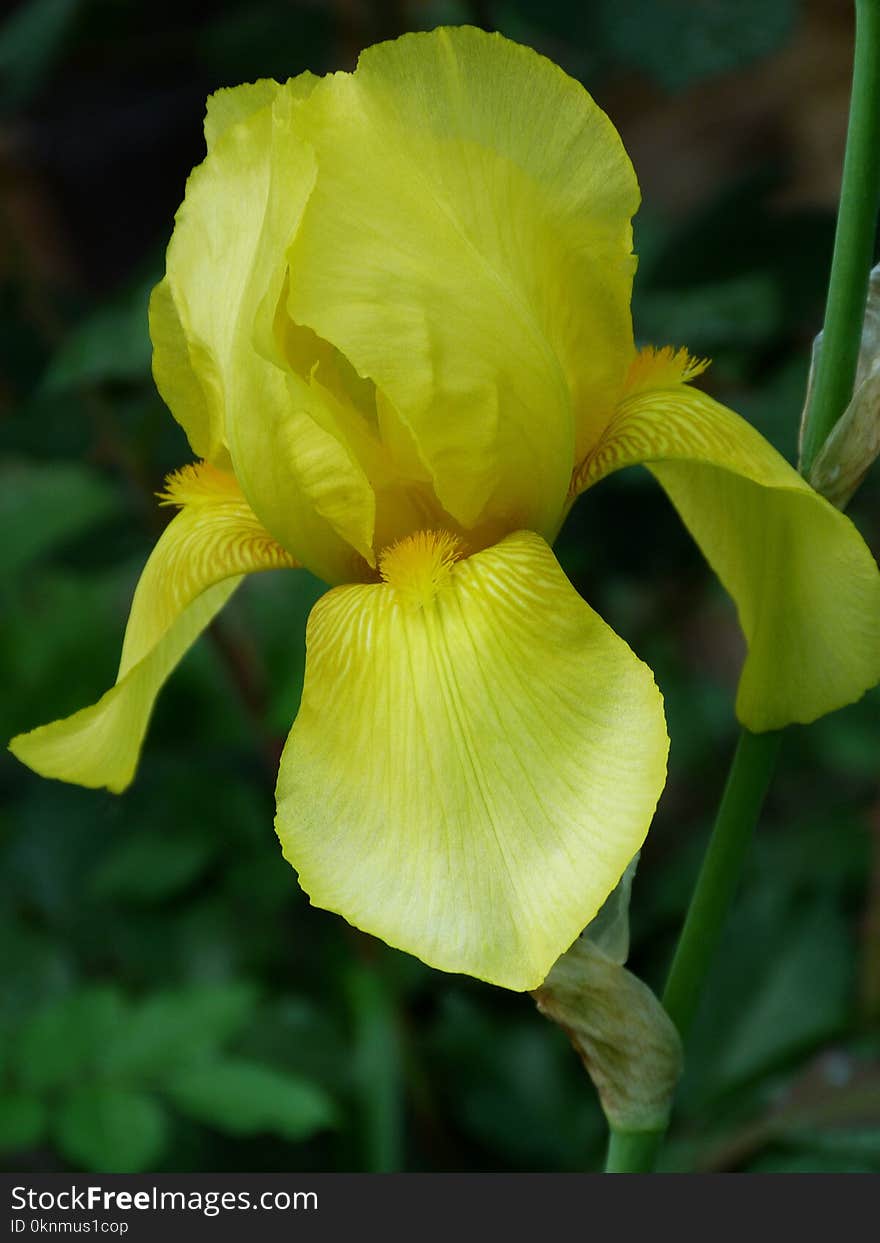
<point>170,1001</point>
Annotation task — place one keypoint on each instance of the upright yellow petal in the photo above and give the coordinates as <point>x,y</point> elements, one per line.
<point>191,384</point>
<point>193,570</point>
<point>294,462</point>
<point>194,310</point>
<point>806,587</point>
<point>225,268</point>
<point>476,759</point>
<point>467,247</point>
<point>182,387</point>
<point>232,104</point>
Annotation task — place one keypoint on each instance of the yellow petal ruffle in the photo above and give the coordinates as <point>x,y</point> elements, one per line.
<point>467,245</point>
<point>238,402</point>
<point>476,759</point>
<point>401,295</point>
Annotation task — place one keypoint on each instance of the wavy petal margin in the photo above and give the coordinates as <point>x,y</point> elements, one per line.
<point>523,750</point>
<point>467,245</point>
<point>213,359</point>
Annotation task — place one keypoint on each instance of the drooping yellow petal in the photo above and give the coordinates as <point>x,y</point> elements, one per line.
<point>467,246</point>
<point>806,587</point>
<point>476,758</point>
<point>225,267</point>
<point>193,570</point>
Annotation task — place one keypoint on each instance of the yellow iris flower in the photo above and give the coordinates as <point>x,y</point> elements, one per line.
<point>395,327</point>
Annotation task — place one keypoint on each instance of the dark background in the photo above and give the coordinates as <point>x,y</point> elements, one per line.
<point>169,999</point>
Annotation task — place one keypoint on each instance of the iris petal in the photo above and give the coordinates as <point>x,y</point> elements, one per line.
<point>193,570</point>
<point>193,311</point>
<point>210,321</point>
<point>806,586</point>
<point>523,749</point>
<point>467,246</point>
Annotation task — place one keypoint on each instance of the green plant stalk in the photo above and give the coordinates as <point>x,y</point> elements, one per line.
<point>853,241</point>
<point>377,1070</point>
<point>747,783</point>
<point>755,757</point>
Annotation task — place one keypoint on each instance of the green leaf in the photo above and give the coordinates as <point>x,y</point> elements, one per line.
<point>110,1130</point>
<point>781,986</point>
<point>112,344</point>
<point>66,1040</point>
<point>800,994</point>
<point>59,639</point>
<point>22,1121</point>
<point>177,1028</point>
<point>45,505</point>
<point>246,1098</point>
<point>35,968</point>
<point>148,869</point>
<point>516,1082</point>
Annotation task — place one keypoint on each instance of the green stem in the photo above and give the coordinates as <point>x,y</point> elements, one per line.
<point>632,1152</point>
<point>853,241</point>
<point>377,1070</point>
<point>747,783</point>
<point>753,763</point>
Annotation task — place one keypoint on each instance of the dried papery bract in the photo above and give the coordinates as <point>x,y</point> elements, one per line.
<point>624,1037</point>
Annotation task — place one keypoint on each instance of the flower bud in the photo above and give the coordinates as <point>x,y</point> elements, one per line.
<point>854,442</point>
